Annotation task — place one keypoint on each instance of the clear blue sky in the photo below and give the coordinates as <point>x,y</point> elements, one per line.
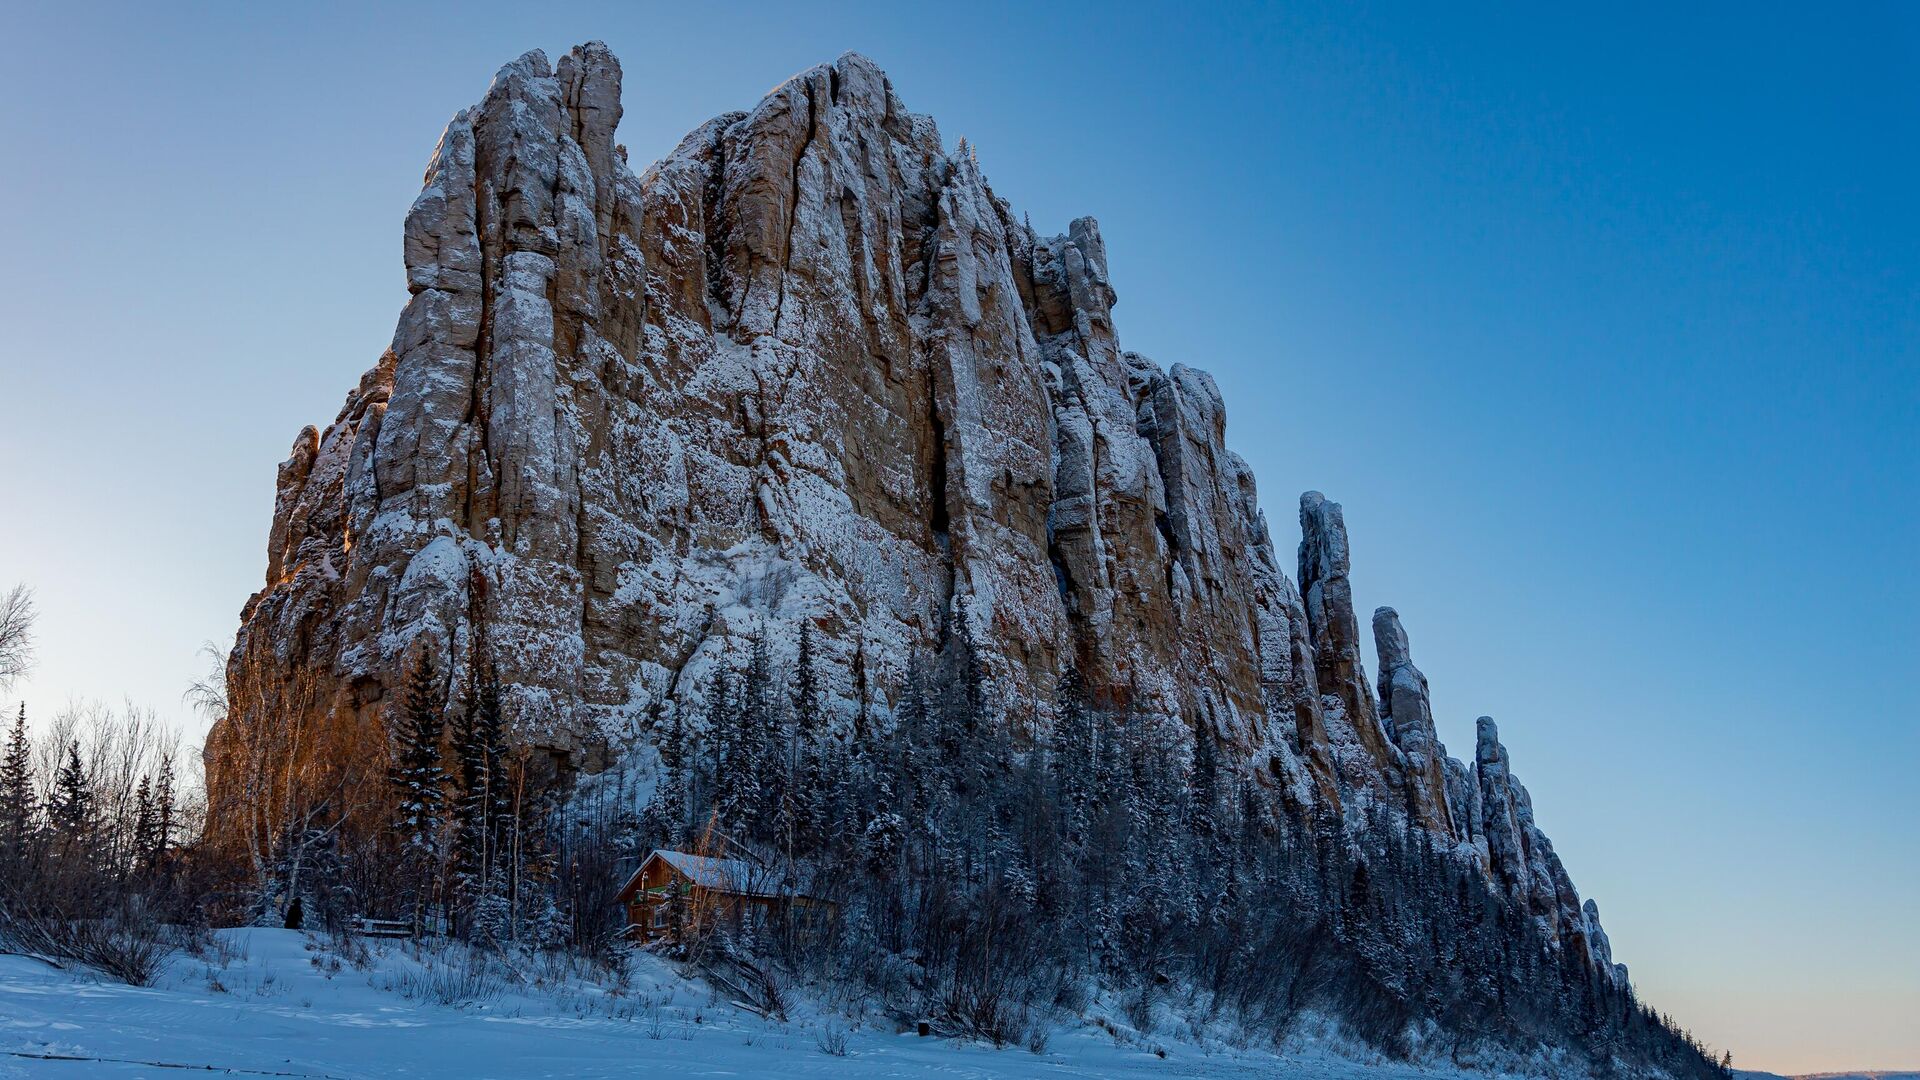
<point>1603,327</point>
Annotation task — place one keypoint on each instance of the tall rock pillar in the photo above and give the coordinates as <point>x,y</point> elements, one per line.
<point>1364,755</point>
<point>1407,713</point>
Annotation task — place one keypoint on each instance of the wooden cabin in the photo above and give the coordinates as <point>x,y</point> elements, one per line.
<point>675,889</point>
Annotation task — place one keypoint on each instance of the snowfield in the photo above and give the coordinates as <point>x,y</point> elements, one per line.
<point>282,1003</point>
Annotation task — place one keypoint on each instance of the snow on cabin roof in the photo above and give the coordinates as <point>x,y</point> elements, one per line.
<point>732,875</point>
<point>725,875</point>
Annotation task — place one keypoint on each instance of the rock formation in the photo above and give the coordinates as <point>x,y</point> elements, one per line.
<point>808,368</point>
<point>1408,716</point>
<point>1599,947</point>
<point>1367,758</point>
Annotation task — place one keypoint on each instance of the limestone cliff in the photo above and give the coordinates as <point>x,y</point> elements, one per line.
<point>809,368</point>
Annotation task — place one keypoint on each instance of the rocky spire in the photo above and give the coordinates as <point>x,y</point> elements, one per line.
<point>1365,756</point>
<point>1499,816</point>
<point>1550,891</point>
<point>1521,856</point>
<point>1407,713</point>
<point>1292,691</point>
<point>1600,948</point>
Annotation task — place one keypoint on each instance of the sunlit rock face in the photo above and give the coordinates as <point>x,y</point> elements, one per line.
<point>809,369</point>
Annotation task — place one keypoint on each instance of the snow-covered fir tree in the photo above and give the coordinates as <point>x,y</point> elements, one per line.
<point>481,791</point>
<point>419,782</point>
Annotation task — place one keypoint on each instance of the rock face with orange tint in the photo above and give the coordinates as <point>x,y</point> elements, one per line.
<point>809,369</point>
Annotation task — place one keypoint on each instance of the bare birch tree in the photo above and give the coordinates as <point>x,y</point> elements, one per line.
<point>17,615</point>
<point>285,773</point>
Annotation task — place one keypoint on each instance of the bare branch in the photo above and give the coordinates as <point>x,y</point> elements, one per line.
<point>17,615</point>
<point>207,695</point>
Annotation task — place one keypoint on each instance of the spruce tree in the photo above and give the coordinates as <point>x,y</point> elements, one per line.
<point>798,801</point>
<point>16,791</point>
<point>1072,758</point>
<point>806,686</point>
<point>735,790</point>
<point>914,760</point>
<point>480,788</point>
<point>163,814</point>
<point>70,809</point>
<point>972,700</point>
<point>665,821</point>
<point>762,723</point>
<point>419,781</point>
<point>141,844</point>
<point>417,774</point>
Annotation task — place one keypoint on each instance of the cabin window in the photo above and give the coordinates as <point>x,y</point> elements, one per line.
<point>659,914</point>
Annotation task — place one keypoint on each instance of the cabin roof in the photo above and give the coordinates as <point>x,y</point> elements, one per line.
<point>735,876</point>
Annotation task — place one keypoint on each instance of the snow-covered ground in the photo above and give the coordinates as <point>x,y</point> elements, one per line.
<point>279,1003</point>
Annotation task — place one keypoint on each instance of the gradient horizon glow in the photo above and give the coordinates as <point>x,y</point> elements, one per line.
<point>1604,328</point>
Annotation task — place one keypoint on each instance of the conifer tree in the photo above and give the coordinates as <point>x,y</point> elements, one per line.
<point>1073,761</point>
<point>417,773</point>
<point>805,788</point>
<point>735,790</point>
<point>762,720</point>
<point>1209,852</point>
<point>913,755</point>
<point>70,809</point>
<point>480,805</point>
<point>972,670</point>
<point>419,781</point>
<point>667,814</point>
<point>164,813</point>
<point>806,686</point>
<point>141,844</point>
<point>16,791</point>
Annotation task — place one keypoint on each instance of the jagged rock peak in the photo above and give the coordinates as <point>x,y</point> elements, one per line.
<point>1407,713</point>
<point>1367,759</point>
<point>1600,949</point>
<point>1520,855</point>
<point>1498,811</point>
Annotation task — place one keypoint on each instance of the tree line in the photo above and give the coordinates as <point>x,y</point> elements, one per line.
<point>92,816</point>
<point>992,877</point>
<point>92,822</point>
<point>984,876</point>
